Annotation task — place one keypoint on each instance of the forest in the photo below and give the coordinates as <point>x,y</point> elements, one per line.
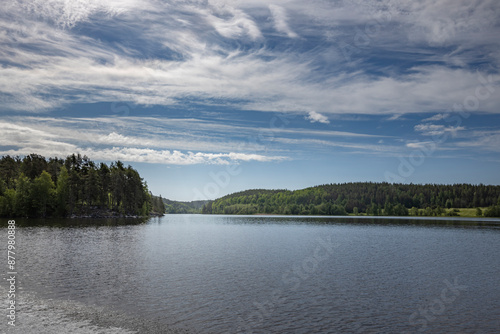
<point>75,186</point>
<point>365,198</point>
<point>183,207</point>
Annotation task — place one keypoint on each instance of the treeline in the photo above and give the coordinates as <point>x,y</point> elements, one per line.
<point>172,207</point>
<point>37,187</point>
<point>362,198</point>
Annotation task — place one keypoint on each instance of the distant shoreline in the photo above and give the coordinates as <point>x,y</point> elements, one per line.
<point>454,218</point>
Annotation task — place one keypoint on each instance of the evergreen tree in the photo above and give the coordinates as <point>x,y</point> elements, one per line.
<point>71,186</point>
<point>62,192</point>
<point>43,195</point>
<point>23,203</point>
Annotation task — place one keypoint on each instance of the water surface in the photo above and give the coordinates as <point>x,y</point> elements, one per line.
<point>260,274</point>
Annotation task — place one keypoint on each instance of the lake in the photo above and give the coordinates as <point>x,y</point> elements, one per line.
<point>256,274</point>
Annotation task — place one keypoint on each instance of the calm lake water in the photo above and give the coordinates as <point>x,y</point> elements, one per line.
<point>256,274</point>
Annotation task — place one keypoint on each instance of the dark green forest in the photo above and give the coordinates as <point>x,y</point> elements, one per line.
<point>76,186</point>
<point>183,207</point>
<point>363,198</point>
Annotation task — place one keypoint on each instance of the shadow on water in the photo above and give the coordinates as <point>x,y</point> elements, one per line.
<point>262,220</point>
<point>74,222</point>
<point>365,220</point>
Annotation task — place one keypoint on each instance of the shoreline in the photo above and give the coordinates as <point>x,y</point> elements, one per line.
<point>444,218</point>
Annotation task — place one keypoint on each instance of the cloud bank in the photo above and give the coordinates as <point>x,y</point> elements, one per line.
<point>59,52</point>
<point>319,60</point>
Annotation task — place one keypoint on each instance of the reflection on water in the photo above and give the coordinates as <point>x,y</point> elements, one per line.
<point>372,220</point>
<point>227,274</point>
<point>75,222</point>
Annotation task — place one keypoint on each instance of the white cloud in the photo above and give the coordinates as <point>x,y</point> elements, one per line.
<point>131,154</point>
<point>482,140</point>
<point>427,145</point>
<point>169,52</point>
<point>436,117</point>
<point>235,23</point>
<point>57,141</point>
<point>436,130</point>
<point>354,147</point>
<point>281,21</point>
<point>317,117</point>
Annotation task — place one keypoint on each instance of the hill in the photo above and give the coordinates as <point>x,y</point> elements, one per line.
<point>173,207</point>
<point>362,198</point>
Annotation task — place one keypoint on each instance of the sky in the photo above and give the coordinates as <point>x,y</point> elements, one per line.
<point>206,98</point>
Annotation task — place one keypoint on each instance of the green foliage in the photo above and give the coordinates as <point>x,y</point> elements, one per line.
<point>357,198</point>
<point>35,187</point>
<point>185,207</point>
<point>492,211</point>
<point>62,193</point>
<point>8,202</point>
<point>414,211</point>
<point>479,212</point>
<point>22,202</point>
<point>43,195</point>
<point>157,205</point>
<point>449,203</point>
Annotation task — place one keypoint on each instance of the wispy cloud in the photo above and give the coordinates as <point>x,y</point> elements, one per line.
<point>157,53</point>
<point>23,140</point>
<point>482,140</point>
<point>281,21</point>
<point>437,117</point>
<point>249,57</point>
<point>436,130</point>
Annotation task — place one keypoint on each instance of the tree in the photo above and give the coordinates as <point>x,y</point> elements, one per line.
<point>438,211</point>
<point>92,187</point>
<point>74,189</point>
<point>400,210</point>
<point>33,165</point>
<point>479,212</point>
<point>105,181</point>
<point>492,211</point>
<point>62,192</point>
<point>388,209</point>
<point>7,203</point>
<point>9,170</point>
<point>23,203</point>
<point>43,194</point>
<point>428,211</point>
<point>53,167</point>
<point>414,211</point>
<point>73,185</point>
<point>449,203</point>
<point>117,177</point>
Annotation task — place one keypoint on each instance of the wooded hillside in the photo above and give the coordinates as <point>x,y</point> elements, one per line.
<point>364,197</point>
<point>37,187</point>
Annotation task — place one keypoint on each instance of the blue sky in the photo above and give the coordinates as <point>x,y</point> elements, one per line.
<point>206,98</point>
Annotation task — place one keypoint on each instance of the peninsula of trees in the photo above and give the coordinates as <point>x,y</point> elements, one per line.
<point>76,186</point>
<point>365,198</point>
